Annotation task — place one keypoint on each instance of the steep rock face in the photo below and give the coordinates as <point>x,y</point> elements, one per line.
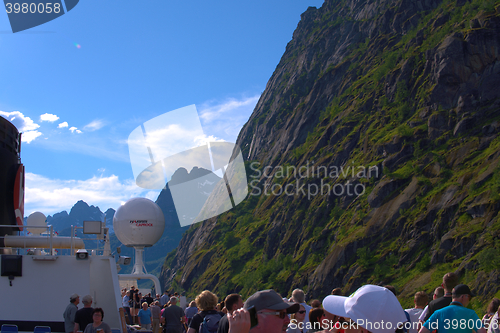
<point>167,206</point>
<point>315,68</point>
<point>192,268</point>
<point>405,87</point>
<point>197,184</point>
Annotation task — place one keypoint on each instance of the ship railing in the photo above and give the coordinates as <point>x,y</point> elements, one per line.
<point>43,238</point>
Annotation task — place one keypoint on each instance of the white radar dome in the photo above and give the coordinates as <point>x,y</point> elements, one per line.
<point>37,219</point>
<point>139,222</point>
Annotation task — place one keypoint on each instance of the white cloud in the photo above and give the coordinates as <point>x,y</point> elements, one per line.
<point>49,117</point>
<point>63,124</point>
<point>170,138</point>
<point>94,125</point>
<point>225,119</point>
<point>171,135</point>
<point>152,195</point>
<point>215,111</point>
<point>74,129</point>
<point>50,196</point>
<point>108,148</point>
<point>203,140</point>
<point>24,125</point>
<point>19,120</point>
<point>30,136</point>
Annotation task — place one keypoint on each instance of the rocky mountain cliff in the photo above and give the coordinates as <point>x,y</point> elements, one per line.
<point>373,157</point>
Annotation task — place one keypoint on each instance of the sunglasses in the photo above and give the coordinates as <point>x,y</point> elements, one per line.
<point>281,314</point>
<point>301,311</point>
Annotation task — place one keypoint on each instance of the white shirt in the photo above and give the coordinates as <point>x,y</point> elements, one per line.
<point>414,315</point>
<point>125,301</point>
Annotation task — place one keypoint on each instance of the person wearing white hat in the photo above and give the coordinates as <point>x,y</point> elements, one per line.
<point>371,308</point>
<point>70,312</point>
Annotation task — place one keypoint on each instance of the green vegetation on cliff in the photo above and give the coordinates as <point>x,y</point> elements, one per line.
<point>408,89</point>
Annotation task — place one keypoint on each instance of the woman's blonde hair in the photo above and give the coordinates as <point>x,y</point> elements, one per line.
<point>292,316</point>
<point>207,300</point>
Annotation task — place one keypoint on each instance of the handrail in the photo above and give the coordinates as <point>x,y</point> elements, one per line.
<point>20,241</point>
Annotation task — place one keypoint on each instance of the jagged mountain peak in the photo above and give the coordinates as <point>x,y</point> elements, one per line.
<point>181,175</point>
<point>81,208</point>
<point>195,185</point>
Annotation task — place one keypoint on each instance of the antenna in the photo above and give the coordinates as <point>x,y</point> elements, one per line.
<point>36,219</point>
<point>139,223</point>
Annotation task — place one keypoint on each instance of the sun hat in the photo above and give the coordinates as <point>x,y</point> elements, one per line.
<point>373,307</point>
<point>269,299</point>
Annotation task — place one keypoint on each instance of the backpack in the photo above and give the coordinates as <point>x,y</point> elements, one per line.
<point>210,323</point>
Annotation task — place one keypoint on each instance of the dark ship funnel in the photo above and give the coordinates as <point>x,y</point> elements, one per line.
<point>11,179</point>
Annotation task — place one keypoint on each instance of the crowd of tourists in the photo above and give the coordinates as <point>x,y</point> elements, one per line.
<point>370,309</point>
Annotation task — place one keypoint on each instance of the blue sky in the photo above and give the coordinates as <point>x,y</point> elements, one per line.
<point>79,85</point>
